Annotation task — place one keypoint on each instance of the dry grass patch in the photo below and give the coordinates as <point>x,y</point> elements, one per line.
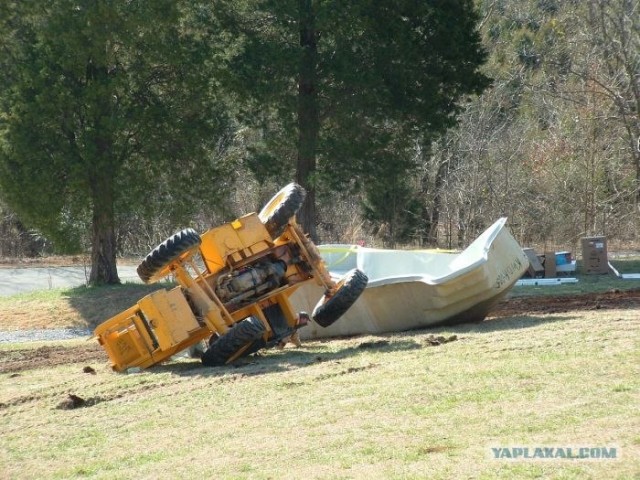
<point>83,307</point>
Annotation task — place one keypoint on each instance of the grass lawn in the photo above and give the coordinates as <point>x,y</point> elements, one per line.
<point>391,406</point>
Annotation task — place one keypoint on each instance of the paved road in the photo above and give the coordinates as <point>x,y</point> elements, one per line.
<point>21,280</point>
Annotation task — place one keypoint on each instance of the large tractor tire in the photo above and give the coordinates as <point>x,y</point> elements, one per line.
<point>328,310</point>
<point>248,332</point>
<point>281,208</point>
<point>155,265</point>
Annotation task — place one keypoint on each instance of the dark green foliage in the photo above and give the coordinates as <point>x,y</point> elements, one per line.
<point>344,78</point>
<point>391,206</point>
<point>107,108</point>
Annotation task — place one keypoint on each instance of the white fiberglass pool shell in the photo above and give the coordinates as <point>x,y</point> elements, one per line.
<point>420,288</point>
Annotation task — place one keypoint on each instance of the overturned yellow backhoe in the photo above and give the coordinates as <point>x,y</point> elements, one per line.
<point>234,283</point>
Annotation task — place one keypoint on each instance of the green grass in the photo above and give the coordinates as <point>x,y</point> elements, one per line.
<point>335,409</point>
<point>400,408</point>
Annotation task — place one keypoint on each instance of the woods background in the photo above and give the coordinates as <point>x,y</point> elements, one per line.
<point>546,130</point>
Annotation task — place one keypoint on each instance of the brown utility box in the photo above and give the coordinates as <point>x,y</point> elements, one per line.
<point>595,260</point>
<point>550,265</point>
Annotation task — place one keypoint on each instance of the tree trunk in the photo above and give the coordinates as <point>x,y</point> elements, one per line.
<point>308,117</point>
<point>103,236</point>
<point>441,175</point>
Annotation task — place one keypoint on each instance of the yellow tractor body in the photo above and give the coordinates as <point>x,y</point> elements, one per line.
<point>234,286</point>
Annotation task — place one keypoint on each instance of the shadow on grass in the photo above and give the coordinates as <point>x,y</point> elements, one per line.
<point>285,360</point>
<point>94,305</point>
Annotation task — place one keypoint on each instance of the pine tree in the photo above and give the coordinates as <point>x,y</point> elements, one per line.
<point>334,74</point>
<point>104,105</point>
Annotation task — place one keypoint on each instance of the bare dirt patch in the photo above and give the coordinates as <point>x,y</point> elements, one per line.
<point>12,361</point>
<point>613,299</point>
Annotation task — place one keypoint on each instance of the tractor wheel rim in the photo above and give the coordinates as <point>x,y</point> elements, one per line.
<point>271,206</point>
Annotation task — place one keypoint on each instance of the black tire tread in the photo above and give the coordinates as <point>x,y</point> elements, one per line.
<point>166,253</point>
<point>328,311</point>
<point>276,220</point>
<point>242,333</point>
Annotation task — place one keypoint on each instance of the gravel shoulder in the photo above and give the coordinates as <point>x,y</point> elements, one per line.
<point>43,335</point>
